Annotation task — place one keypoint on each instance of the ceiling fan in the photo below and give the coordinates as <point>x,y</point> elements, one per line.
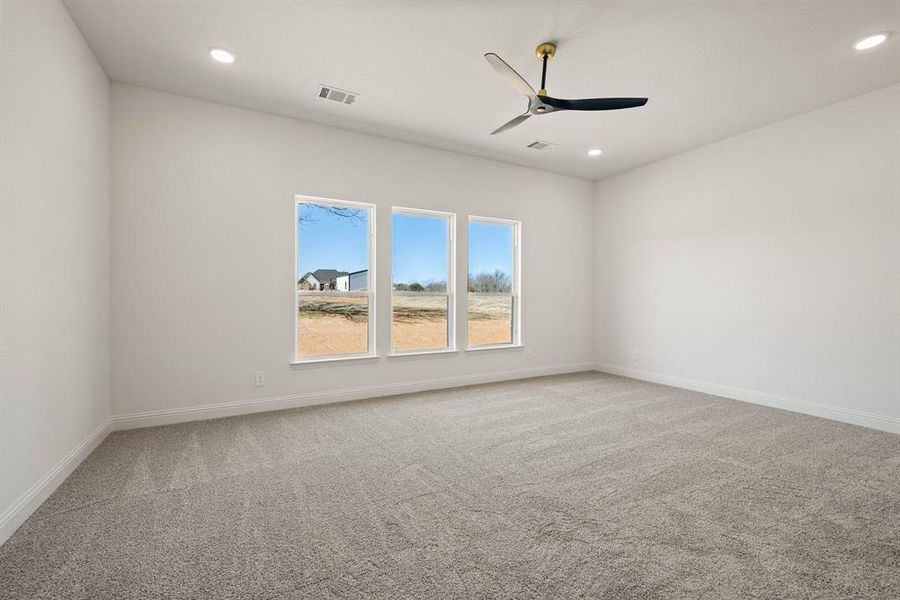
<point>540,103</point>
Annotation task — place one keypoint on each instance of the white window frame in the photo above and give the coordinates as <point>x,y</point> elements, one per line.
<point>451,282</point>
<point>515,291</point>
<point>370,289</point>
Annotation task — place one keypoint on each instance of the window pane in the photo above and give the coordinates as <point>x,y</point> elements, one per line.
<point>330,325</point>
<point>491,278</point>
<point>490,319</point>
<point>419,260</point>
<point>419,322</point>
<point>332,257</point>
<point>490,257</point>
<point>333,248</point>
<point>420,246</point>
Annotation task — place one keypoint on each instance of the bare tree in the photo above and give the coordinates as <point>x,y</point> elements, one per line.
<point>435,286</point>
<point>355,215</point>
<point>490,283</point>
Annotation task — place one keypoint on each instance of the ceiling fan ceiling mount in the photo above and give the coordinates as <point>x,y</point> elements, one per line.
<point>547,49</point>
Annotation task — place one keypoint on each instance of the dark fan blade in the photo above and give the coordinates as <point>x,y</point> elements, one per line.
<point>511,124</point>
<point>593,103</point>
<point>508,73</point>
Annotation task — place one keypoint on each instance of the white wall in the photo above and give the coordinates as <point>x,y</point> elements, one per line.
<point>54,252</point>
<point>767,264</point>
<point>202,263</point>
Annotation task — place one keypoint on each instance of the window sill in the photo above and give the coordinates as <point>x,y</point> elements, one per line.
<point>421,353</point>
<point>495,347</point>
<point>335,361</point>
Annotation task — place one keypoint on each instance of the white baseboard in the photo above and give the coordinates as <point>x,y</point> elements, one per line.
<point>13,517</point>
<point>827,411</point>
<point>242,407</point>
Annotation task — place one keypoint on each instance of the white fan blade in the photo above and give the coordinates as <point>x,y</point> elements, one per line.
<point>509,74</point>
<point>511,124</point>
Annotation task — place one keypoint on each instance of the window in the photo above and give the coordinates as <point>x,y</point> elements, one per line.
<point>335,287</point>
<point>422,273</point>
<point>493,282</point>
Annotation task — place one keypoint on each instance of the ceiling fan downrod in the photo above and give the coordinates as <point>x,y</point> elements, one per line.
<point>544,52</point>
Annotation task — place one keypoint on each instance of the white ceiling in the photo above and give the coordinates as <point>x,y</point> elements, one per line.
<point>710,69</point>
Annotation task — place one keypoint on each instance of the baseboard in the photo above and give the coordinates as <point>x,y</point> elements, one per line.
<point>21,509</point>
<point>231,409</point>
<point>827,411</point>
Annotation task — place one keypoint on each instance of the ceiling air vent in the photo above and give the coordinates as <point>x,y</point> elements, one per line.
<point>540,145</point>
<point>332,93</point>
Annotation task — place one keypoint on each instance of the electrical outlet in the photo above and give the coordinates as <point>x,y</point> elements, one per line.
<point>635,355</point>
<point>259,378</point>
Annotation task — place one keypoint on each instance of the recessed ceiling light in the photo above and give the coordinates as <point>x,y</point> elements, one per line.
<point>870,41</point>
<point>595,152</point>
<point>221,55</point>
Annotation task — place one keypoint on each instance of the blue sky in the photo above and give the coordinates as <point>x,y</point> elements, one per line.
<point>419,248</point>
<point>419,251</point>
<point>490,247</point>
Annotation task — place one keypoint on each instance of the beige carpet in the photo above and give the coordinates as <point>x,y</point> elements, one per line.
<point>583,485</point>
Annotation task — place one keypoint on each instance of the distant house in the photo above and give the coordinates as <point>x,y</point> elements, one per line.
<point>321,280</point>
<point>358,281</point>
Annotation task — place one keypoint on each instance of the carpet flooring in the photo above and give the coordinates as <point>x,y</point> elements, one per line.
<point>575,486</point>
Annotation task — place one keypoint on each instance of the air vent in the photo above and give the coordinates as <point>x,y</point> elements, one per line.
<point>539,145</point>
<point>337,95</point>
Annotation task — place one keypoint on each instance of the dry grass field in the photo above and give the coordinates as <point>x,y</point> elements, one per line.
<point>490,319</point>
<point>339,325</point>
<point>332,325</point>
<point>419,322</point>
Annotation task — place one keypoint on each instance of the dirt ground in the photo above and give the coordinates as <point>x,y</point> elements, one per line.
<point>329,334</point>
<point>490,319</point>
<point>419,323</point>
<point>489,331</point>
